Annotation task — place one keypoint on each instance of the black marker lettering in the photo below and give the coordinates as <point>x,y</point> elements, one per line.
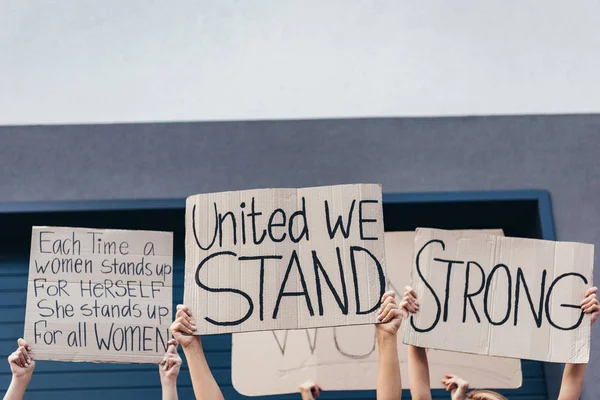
<point>304,231</point>
<point>280,224</point>
<point>467,295</point>
<point>262,277</point>
<point>319,270</point>
<point>539,315</point>
<point>224,290</point>
<point>196,234</point>
<point>448,276</point>
<point>487,291</point>
<point>354,249</point>
<point>576,306</point>
<point>362,220</point>
<point>437,301</point>
<point>339,223</point>
<point>293,260</point>
<point>253,214</point>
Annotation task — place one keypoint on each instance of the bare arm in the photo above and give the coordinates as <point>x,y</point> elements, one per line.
<point>205,386</point>
<point>574,374</point>
<point>418,367</point>
<point>169,370</point>
<point>418,372</point>
<point>572,382</point>
<point>389,381</point>
<point>21,366</point>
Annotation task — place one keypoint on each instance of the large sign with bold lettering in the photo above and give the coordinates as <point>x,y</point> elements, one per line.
<point>501,296</point>
<point>345,358</point>
<point>284,258</point>
<point>99,295</point>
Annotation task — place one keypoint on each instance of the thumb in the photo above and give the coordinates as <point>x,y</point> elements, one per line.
<point>22,342</point>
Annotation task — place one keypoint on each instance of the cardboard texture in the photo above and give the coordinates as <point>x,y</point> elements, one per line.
<point>99,295</point>
<point>284,258</point>
<point>501,296</point>
<point>345,358</point>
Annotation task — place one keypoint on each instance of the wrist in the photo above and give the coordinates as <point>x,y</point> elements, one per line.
<point>192,344</point>
<point>384,336</point>
<point>24,378</point>
<point>168,381</point>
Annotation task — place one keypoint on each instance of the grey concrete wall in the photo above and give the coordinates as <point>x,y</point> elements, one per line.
<point>557,153</point>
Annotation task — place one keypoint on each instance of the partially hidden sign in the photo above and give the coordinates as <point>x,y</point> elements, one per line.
<point>345,357</point>
<point>284,258</point>
<point>99,295</point>
<point>501,296</point>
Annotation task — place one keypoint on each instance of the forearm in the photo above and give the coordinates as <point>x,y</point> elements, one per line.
<point>17,388</point>
<point>169,390</point>
<point>572,381</point>
<point>205,386</point>
<point>389,381</point>
<point>418,372</point>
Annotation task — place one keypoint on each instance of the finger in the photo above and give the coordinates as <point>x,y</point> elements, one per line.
<point>179,327</point>
<point>410,291</point>
<point>591,291</point>
<point>185,320</point>
<point>25,353</point>
<point>383,307</point>
<point>22,342</point>
<point>173,342</point>
<point>588,298</point>
<point>14,359</point>
<point>22,358</point>
<point>384,312</point>
<point>589,305</point>
<point>412,302</point>
<point>592,308</point>
<point>391,315</point>
<point>388,301</point>
<point>389,293</point>
<point>410,307</point>
<point>184,308</point>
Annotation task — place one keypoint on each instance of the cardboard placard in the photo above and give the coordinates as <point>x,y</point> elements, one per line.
<point>284,258</point>
<point>99,295</point>
<point>345,358</point>
<point>501,296</point>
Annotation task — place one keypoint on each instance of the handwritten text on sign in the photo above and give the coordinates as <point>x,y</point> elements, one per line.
<point>99,295</point>
<point>284,258</point>
<point>501,296</point>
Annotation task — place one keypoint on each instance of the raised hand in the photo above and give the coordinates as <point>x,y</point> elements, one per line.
<point>20,361</point>
<point>184,326</point>
<point>590,304</point>
<point>456,386</point>
<point>389,315</point>
<point>310,390</point>
<point>409,303</point>
<point>171,362</point>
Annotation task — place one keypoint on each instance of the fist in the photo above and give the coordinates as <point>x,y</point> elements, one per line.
<point>389,315</point>
<point>184,326</point>
<point>20,361</point>
<point>310,390</point>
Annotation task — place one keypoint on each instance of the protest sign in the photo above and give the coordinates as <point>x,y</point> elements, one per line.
<point>501,296</point>
<point>99,295</point>
<point>345,358</point>
<point>284,258</point>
